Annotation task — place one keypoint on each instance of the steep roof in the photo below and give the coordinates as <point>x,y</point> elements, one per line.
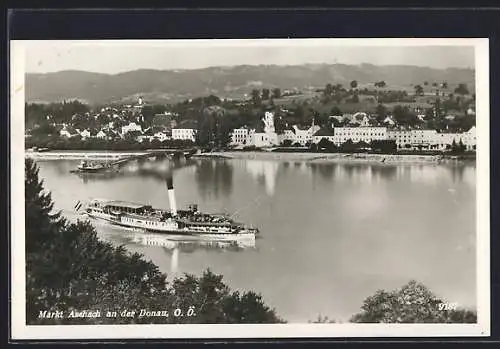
<point>187,124</point>
<point>302,128</point>
<point>324,132</point>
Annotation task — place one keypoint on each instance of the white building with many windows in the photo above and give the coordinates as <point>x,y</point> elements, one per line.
<point>358,134</point>
<point>432,139</point>
<point>240,136</point>
<point>184,134</point>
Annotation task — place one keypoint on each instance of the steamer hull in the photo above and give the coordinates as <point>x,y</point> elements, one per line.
<point>190,222</point>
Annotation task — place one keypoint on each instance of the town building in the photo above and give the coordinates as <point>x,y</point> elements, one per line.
<point>67,132</point>
<point>239,136</point>
<point>85,134</point>
<point>101,134</point>
<point>301,135</point>
<point>185,131</point>
<point>444,140</point>
<point>266,136</point>
<point>131,127</point>
<point>360,118</point>
<point>389,121</point>
<point>469,139</point>
<point>358,134</point>
<point>161,136</point>
<point>165,120</point>
<point>432,139</point>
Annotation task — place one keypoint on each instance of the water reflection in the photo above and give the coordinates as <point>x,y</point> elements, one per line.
<point>214,178</point>
<point>327,171</point>
<point>147,169</point>
<point>191,243</point>
<point>384,172</point>
<point>265,172</point>
<point>366,173</point>
<point>458,174</point>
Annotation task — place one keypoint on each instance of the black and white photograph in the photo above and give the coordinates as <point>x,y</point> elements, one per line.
<point>305,187</point>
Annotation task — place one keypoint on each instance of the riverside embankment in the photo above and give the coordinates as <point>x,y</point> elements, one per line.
<point>81,155</point>
<point>277,156</point>
<point>339,157</point>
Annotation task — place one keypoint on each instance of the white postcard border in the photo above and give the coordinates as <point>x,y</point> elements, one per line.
<point>19,329</point>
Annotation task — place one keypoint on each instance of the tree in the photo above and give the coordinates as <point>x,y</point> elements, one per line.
<point>412,303</point>
<point>276,93</point>
<point>426,83</point>
<point>429,114</point>
<point>328,91</point>
<point>419,91</point>
<point>286,143</point>
<point>211,100</point>
<point>325,144</point>
<point>41,222</point>
<point>256,97</point>
<point>457,147</point>
<point>444,85</point>
<point>354,84</point>
<point>265,94</point>
<point>386,146</point>
<point>336,111</point>
<point>404,116</point>
<point>462,89</point>
<point>381,112</point>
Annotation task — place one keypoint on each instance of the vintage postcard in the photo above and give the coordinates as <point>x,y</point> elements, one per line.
<point>249,188</point>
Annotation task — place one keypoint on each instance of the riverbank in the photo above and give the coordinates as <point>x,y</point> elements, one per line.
<point>275,156</point>
<point>339,157</point>
<point>81,155</point>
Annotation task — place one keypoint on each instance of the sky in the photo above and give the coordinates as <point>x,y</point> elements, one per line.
<point>117,56</point>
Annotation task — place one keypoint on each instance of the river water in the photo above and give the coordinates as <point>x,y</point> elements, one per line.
<point>331,234</point>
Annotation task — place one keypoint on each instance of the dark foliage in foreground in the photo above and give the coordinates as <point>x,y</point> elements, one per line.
<point>70,269</point>
<point>412,303</point>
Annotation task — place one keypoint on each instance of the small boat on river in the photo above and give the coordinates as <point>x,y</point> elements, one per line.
<point>87,166</point>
